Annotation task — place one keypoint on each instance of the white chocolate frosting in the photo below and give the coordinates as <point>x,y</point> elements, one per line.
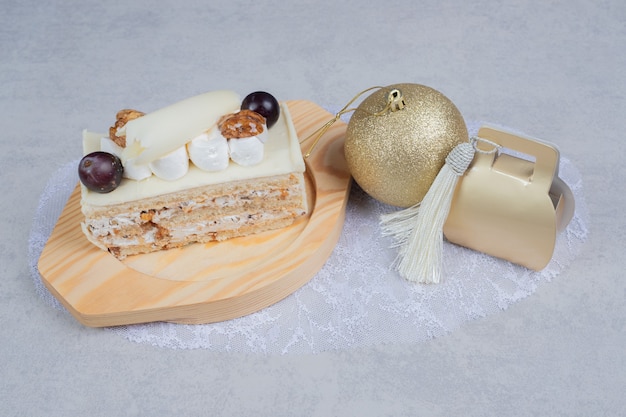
<point>282,155</point>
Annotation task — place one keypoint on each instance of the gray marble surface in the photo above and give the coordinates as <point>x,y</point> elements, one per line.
<point>552,69</point>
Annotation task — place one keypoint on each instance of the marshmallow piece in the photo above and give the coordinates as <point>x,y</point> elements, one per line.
<point>246,151</point>
<point>172,166</point>
<point>209,151</point>
<point>135,171</point>
<point>263,136</point>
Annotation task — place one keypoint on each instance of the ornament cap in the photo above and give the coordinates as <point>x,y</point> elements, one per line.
<point>396,100</point>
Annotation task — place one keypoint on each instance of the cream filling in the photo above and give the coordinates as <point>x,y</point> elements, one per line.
<point>226,223</point>
<point>106,234</point>
<point>282,155</point>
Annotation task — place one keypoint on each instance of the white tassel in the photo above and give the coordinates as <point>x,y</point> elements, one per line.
<point>418,230</point>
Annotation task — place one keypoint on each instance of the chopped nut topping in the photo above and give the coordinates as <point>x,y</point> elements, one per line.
<point>146,216</point>
<point>243,124</point>
<point>122,117</point>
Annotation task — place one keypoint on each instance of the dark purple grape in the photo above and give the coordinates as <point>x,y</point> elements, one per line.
<point>263,103</point>
<point>100,171</point>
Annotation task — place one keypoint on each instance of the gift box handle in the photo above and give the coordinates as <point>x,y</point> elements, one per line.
<point>546,166</point>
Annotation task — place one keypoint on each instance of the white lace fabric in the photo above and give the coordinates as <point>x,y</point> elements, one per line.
<point>356,299</point>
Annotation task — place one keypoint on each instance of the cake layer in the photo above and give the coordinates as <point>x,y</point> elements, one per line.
<point>203,214</point>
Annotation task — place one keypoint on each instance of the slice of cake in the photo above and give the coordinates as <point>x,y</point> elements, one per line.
<point>200,170</point>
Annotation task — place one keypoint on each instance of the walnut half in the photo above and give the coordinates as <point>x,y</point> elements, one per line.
<point>121,118</point>
<point>243,124</point>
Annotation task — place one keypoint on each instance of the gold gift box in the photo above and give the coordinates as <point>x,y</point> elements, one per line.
<point>511,204</point>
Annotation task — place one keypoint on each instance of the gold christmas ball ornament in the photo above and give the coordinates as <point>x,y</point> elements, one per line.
<point>397,141</point>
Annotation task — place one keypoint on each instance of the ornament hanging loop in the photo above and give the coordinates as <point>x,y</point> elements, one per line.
<point>395,102</point>
<point>320,132</point>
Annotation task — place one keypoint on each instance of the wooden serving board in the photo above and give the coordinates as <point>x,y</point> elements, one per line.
<point>204,283</point>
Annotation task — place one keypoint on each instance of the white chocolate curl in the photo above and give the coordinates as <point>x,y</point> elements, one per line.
<point>156,134</point>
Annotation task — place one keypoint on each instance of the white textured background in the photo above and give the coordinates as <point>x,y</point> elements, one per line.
<point>554,70</point>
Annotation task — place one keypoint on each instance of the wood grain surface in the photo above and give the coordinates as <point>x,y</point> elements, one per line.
<point>205,283</point>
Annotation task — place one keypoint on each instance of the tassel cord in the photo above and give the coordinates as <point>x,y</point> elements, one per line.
<point>419,260</point>
<point>418,230</point>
